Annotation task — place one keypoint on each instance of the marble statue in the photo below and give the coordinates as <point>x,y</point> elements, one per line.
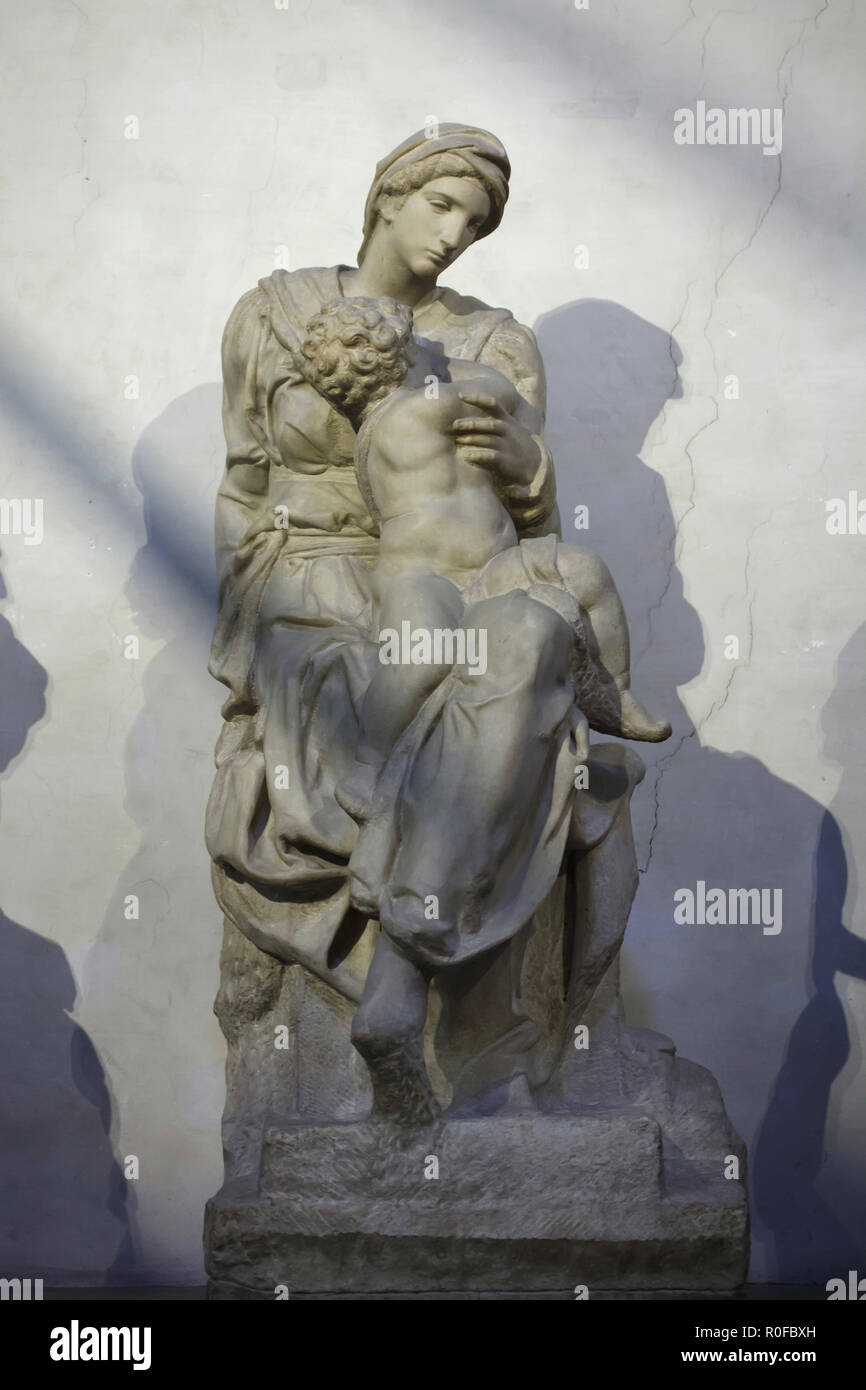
<point>425,866</point>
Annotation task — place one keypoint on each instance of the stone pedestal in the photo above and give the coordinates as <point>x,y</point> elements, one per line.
<point>526,1201</point>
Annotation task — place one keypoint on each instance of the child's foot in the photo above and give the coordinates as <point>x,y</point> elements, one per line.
<point>638,723</point>
<point>611,710</point>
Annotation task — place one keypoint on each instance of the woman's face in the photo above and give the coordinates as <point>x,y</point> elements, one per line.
<point>437,222</point>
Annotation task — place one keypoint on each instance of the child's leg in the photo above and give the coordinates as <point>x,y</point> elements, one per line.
<point>589,580</point>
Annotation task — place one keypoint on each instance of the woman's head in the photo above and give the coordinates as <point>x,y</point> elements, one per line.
<point>437,195</point>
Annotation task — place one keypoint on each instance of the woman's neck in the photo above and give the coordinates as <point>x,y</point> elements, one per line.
<point>380,275</point>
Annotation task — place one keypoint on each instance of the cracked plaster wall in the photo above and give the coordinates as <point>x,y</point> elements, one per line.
<point>258,129</point>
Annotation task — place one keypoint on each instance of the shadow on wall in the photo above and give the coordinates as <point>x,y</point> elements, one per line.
<point>790,1148</point>
<point>63,1196</point>
<point>724,818</point>
<point>159,971</point>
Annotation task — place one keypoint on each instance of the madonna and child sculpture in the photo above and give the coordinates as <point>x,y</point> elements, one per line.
<point>424,865</point>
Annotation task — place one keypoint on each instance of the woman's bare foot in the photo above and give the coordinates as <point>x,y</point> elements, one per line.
<point>402,1094</point>
<point>388,1031</point>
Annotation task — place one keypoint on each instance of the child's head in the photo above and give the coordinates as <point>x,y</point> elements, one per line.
<point>356,351</point>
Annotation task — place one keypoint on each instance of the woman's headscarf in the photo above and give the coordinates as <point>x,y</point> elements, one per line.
<point>481,150</point>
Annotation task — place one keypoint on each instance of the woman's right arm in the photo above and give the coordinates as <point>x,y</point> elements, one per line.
<point>245,482</point>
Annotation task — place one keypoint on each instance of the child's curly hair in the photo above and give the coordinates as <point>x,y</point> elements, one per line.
<point>355,347</point>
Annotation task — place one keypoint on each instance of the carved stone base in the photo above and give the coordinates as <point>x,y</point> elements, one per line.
<point>526,1201</point>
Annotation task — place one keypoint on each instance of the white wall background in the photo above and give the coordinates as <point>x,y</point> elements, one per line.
<point>259,127</point>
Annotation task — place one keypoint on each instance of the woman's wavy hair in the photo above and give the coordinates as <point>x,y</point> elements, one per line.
<point>355,349</point>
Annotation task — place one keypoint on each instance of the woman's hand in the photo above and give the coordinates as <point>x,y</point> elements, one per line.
<point>496,441</point>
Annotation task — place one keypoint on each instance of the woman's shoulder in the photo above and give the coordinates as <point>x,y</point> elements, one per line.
<point>495,338</point>
<point>501,326</point>
<point>466,306</point>
<point>285,299</point>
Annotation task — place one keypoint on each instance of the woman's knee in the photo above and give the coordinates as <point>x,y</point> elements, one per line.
<point>522,635</point>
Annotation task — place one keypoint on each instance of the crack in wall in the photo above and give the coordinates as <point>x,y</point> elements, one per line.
<point>663,764</point>
<point>690,17</point>
<point>719,704</point>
